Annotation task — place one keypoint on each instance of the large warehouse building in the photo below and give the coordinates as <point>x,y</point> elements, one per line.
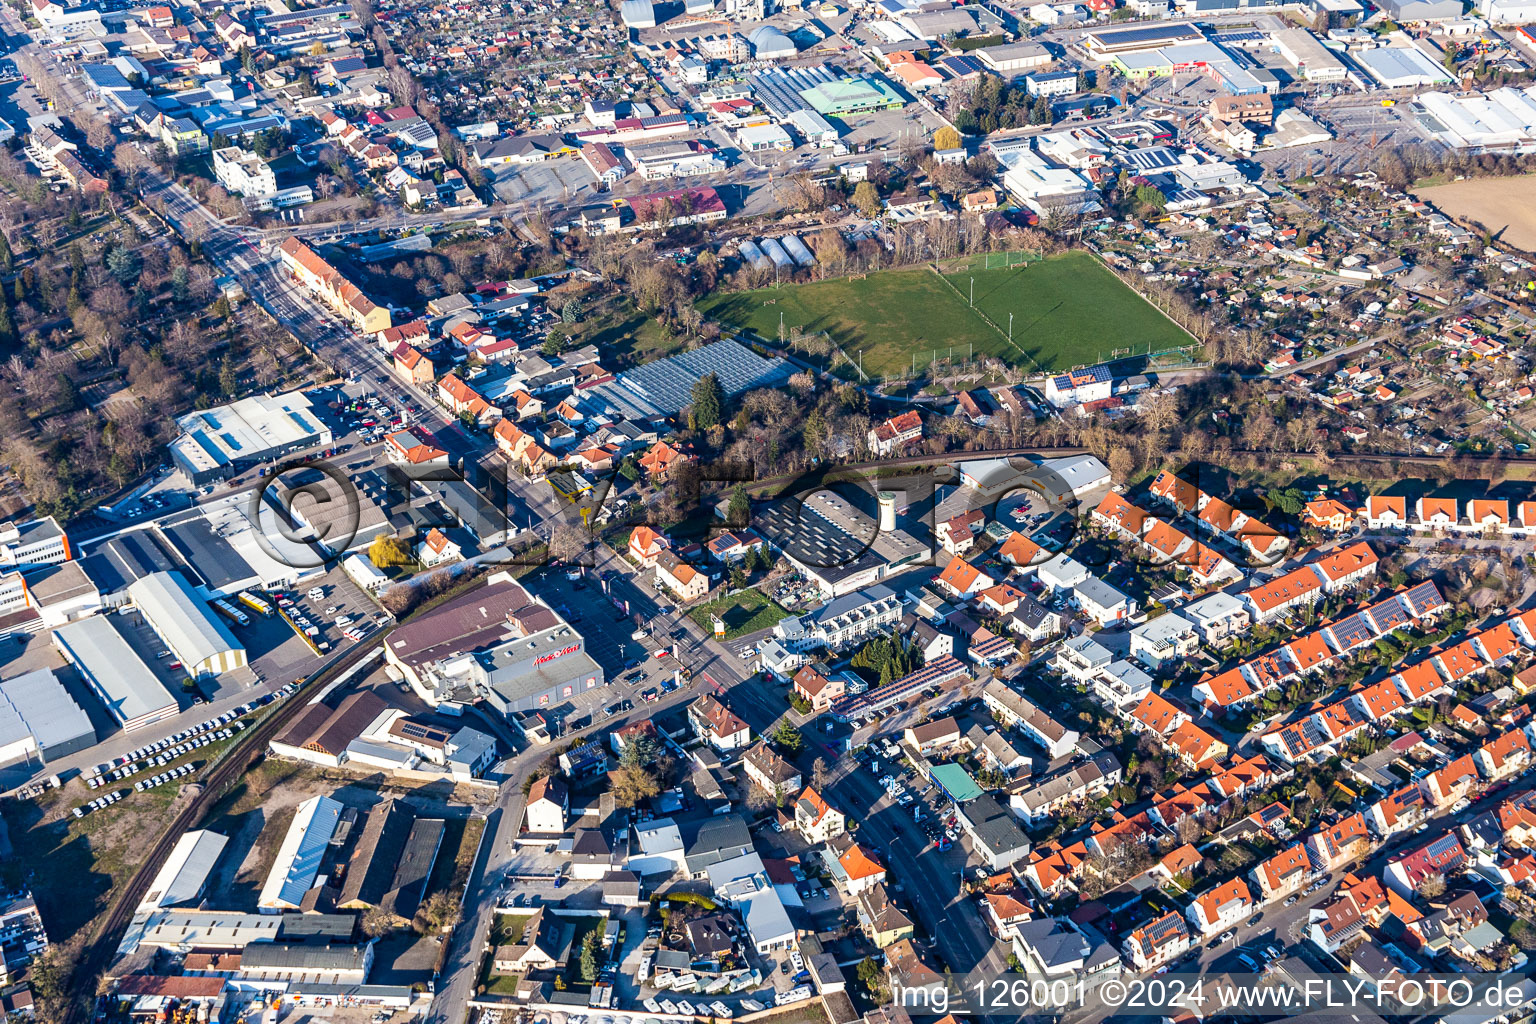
<point>300,856</point>
<point>215,442</point>
<point>497,644</point>
<point>124,682</point>
<point>184,875</point>
<point>39,720</point>
<point>203,644</point>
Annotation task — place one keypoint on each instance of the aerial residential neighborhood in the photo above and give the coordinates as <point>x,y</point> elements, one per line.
<point>765,510</point>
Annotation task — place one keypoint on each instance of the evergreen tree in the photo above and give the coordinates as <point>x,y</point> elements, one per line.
<point>229,381</point>
<point>739,512</point>
<point>7,258</point>
<point>708,402</point>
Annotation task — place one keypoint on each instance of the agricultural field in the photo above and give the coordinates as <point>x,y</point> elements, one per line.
<point>1502,205</point>
<point>1067,311</point>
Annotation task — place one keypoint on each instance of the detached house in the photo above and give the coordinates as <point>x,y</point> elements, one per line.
<point>770,772</point>
<point>815,819</point>
<point>717,725</point>
<point>680,578</point>
<point>1159,941</point>
<point>895,434</point>
<point>645,545</point>
<point>958,534</point>
<point>822,692</point>
<point>1223,907</point>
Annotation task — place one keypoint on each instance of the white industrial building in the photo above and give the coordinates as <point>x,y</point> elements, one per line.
<point>299,857</point>
<point>242,172</point>
<point>1503,120</point>
<point>1305,52</point>
<point>1400,67</point>
<point>215,442</point>
<point>39,720</point>
<point>1014,58</point>
<point>1033,181</point>
<point>1509,12</point>
<point>203,645</point>
<point>184,875</point>
<point>122,680</point>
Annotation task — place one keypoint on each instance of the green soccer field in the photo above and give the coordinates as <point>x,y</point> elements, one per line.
<point>1067,311</point>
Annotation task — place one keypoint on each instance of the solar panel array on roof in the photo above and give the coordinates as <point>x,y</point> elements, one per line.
<point>665,387</point>
<point>938,673</point>
<point>1387,615</point>
<point>779,90</point>
<point>1150,158</point>
<point>1443,846</point>
<point>1141,36</point>
<point>1350,633</point>
<point>1424,598</point>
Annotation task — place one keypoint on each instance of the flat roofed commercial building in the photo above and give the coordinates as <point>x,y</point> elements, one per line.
<point>124,682</point>
<point>1306,52</point>
<point>34,543</point>
<point>203,645</point>
<point>39,719</point>
<point>184,874</point>
<point>251,430</point>
<point>1149,37</point>
<point>1011,58</point>
<point>496,644</point>
<point>1397,67</point>
<point>836,544</point>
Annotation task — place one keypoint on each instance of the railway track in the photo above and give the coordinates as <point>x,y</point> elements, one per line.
<point>108,935</point>
<point>252,746</point>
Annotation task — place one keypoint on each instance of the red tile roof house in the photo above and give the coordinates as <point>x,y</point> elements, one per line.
<point>818,689</point>
<point>1442,856</point>
<point>1386,513</point>
<point>1284,873</point>
<point>958,535</point>
<point>645,544</point>
<point>1452,782</point>
<point>1223,907</point>
<point>895,434</point>
<point>1499,758</point>
<point>661,458</point>
<point>463,400</point>
<point>1336,846</point>
<point>1346,567</point>
<point>404,446</point>
<point>717,725</point>
<point>963,579</point>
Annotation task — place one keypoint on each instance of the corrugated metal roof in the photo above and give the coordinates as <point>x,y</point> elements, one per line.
<point>183,622</point>
<point>298,859</point>
<point>130,686</point>
<point>181,878</point>
<point>37,705</point>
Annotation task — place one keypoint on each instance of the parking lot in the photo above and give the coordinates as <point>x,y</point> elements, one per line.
<point>334,607</point>
<point>561,179</point>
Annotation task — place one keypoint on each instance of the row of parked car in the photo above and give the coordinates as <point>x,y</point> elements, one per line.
<point>100,802</point>
<point>164,751</point>
<point>162,778</point>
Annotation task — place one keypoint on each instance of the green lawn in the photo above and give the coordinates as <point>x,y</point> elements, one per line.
<point>744,612</point>
<point>1070,310</point>
<point>1067,311</point>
